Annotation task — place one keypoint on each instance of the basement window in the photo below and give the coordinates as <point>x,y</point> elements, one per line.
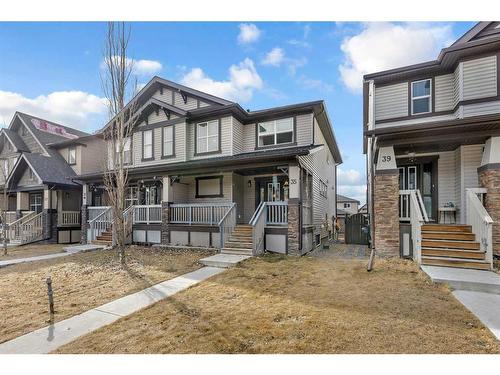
<point>421,97</point>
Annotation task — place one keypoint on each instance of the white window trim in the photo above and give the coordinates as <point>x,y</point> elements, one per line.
<point>275,133</point>
<point>167,141</point>
<point>412,98</point>
<point>69,155</point>
<point>144,144</point>
<point>206,137</point>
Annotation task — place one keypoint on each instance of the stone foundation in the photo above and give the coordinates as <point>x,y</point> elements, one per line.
<point>386,213</point>
<point>85,225</point>
<point>49,226</point>
<point>165,231</point>
<point>489,178</point>
<point>294,227</point>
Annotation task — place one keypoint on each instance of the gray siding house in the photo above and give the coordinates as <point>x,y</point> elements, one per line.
<point>205,172</point>
<point>432,141</point>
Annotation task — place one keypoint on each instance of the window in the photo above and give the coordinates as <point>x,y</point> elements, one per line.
<point>168,141</point>
<point>207,137</point>
<point>323,189</point>
<point>209,187</point>
<point>127,155</point>
<point>147,144</point>
<point>72,155</point>
<point>36,202</point>
<point>421,97</point>
<point>132,196</point>
<point>276,132</point>
<point>347,205</point>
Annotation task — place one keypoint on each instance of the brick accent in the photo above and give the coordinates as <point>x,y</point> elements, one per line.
<point>490,178</point>
<point>49,226</point>
<point>294,227</point>
<point>386,214</point>
<point>85,225</point>
<point>165,230</point>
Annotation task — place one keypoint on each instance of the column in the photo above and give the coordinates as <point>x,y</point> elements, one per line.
<point>386,204</point>
<point>49,217</point>
<point>294,227</point>
<point>84,213</point>
<point>489,178</point>
<point>166,201</point>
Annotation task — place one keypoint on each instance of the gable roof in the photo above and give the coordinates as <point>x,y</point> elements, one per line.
<point>344,199</point>
<point>15,139</point>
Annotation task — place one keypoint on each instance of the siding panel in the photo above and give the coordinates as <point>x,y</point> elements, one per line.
<point>480,78</point>
<point>391,101</point>
<point>444,92</point>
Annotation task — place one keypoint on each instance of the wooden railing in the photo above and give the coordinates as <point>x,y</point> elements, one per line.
<point>481,222</point>
<point>96,211</point>
<point>10,217</point>
<point>258,223</point>
<point>15,229</point>
<point>416,220</point>
<point>68,218</point>
<point>277,213</point>
<point>227,224</point>
<point>405,205</point>
<point>198,213</point>
<point>100,223</point>
<point>32,229</point>
<point>147,214</point>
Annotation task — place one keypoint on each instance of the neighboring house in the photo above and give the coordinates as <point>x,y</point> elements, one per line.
<point>432,140</point>
<point>363,209</point>
<point>205,172</point>
<point>39,160</point>
<point>348,205</point>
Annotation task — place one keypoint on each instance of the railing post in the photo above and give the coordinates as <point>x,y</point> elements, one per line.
<point>190,214</point>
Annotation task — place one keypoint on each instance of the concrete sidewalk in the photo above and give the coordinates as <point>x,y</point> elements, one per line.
<point>47,339</point>
<point>70,250</point>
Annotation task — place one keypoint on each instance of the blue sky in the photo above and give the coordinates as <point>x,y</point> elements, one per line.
<point>52,69</point>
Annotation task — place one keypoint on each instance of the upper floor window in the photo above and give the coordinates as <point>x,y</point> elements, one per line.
<point>147,144</point>
<point>72,155</point>
<point>127,153</point>
<point>168,141</point>
<point>421,97</point>
<point>347,205</point>
<point>276,132</point>
<point>207,137</point>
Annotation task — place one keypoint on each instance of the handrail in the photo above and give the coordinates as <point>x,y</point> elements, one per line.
<point>227,213</point>
<point>227,224</point>
<point>416,221</point>
<point>421,205</point>
<point>405,204</point>
<point>258,223</point>
<point>95,221</point>
<point>481,222</point>
<point>32,229</point>
<point>198,213</point>
<point>257,211</point>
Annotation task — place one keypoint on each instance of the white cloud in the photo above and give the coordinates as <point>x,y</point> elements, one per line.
<point>384,45</point>
<point>299,43</point>
<point>314,84</point>
<point>294,64</point>
<point>243,80</point>
<point>351,183</point>
<point>274,57</point>
<point>141,67</point>
<point>72,108</point>
<point>249,33</point>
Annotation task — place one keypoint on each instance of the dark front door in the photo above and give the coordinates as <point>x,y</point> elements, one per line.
<point>271,189</point>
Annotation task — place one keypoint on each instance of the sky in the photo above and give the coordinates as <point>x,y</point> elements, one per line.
<point>52,70</point>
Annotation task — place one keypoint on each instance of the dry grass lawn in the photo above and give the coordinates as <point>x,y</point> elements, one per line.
<point>81,282</point>
<point>30,251</point>
<point>275,304</point>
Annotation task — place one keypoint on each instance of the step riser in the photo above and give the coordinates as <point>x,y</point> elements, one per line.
<point>464,264</point>
<point>249,253</point>
<point>447,228</point>
<point>448,236</point>
<point>454,254</point>
<point>451,244</point>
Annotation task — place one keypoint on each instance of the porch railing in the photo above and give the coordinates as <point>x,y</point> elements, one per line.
<point>100,223</point>
<point>96,211</point>
<point>258,223</point>
<point>277,213</point>
<point>10,217</point>
<point>481,222</point>
<point>416,220</point>
<point>227,224</point>
<point>68,218</point>
<point>198,213</point>
<point>405,205</point>
<point>147,214</point>
<point>15,230</point>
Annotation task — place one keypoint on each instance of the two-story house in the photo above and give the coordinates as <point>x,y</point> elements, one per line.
<point>348,205</point>
<point>205,172</point>
<point>38,160</point>
<point>432,141</point>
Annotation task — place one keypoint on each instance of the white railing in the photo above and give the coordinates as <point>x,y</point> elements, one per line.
<point>258,223</point>
<point>481,222</point>
<point>68,218</point>
<point>99,224</point>
<point>277,213</point>
<point>10,217</point>
<point>405,205</point>
<point>198,213</point>
<point>96,211</point>
<point>416,221</point>
<point>32,229</point>
<point>227,224</point>
<point>147,214</point>
<point>128,217</point>
<point>15,230</point>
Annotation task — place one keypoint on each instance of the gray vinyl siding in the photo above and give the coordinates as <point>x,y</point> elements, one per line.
<point>92,156</point>
<point>458,85</point>
<point>391,101</point>
<point>479,109</point>
<point>238,136</point>
<point>248,138</point>
<point>25,180</point>
<point>446,178</point>
<point>480,78</point>
<point>225,140</point>
<point>30,141</point>
<point>444,92</point>
<point>471,160</point>
<point>190,188</point>
<point>158,117</point>
<point>191,103</point>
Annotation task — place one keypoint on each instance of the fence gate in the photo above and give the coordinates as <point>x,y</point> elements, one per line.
<point>354,233</point>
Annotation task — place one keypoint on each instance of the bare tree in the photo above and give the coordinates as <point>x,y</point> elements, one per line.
<point>4,206</point>
<point>118,86</point>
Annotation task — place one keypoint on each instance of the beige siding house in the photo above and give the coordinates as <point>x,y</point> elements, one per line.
<point>432,141</point>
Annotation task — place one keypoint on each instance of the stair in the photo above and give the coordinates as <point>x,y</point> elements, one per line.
<point>452,246</point>
<point>240,242</point>
<point>106,238</point>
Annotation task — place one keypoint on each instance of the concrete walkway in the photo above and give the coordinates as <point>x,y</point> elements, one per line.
<point>70,250</point>
<point>47,339</point>
<point>223,260</point>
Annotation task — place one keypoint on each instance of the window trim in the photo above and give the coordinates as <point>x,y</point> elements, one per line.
<point>152,145</point>
<point>172,155</point>
<point>288,144</point>
<point>69,154</point>
<point>219,150</point>
<point>221,187</point>
<point>422,96</point>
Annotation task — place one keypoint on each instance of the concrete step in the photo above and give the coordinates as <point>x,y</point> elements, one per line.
<point>234,250</point>
<point>451,244</point>
<point>239,245</point>
<point>223,260</point>
<point>465,279</point>
<point>460,236</point>
<point>233,238</point>
<point>456,263</point>
<point>446,228</point>
<point>453,253</point>
<point>100,242</point>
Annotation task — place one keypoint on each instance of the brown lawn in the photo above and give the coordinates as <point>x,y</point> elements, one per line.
<point>30,251</point>
<point>81,282</point>
<point>275,304</point>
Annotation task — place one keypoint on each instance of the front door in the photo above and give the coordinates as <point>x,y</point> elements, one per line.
<point>421,176</point>
<point>271,189</point>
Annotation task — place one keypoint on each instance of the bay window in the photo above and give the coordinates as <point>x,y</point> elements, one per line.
<point>276,132</point>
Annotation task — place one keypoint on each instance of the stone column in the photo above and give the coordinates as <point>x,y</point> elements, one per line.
<point>84,214</point>
<point>294,222</point>
<point>49,218</point>
<point>167,198</point>
<point>489,178</point>
<point>386,204</point>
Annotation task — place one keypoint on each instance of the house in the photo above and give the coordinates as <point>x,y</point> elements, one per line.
<point>432,142</point>
<point>363,209</point>
<point>348,205</point>
<point>205,172</point>
<point>38,160</point>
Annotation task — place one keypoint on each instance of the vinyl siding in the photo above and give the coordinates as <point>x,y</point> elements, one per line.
<point>192,102</point>
<point>391,101</point>
<point>248,138</point>
<point>446,178</point>
<point>471,160</point>
<point>238,136</point>
<point>190,188</point>
<point>30,141</point>
<point>444,92</point>
<point>479,109</point>
<point>458,85</point>
<point>480,78</point>
<point>25,180</point>
<point>92,156</point>
<point>225,139</point>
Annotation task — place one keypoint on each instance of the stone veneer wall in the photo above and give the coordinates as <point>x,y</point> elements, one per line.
<point>490,178</point>
<point>165,232</point>
<point>294,227</point>
<point>386,213</point>
<point>85,225</point>
<point>49,219</point>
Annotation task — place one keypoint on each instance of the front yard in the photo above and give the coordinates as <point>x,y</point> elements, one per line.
<point>81,282</point>
<point>28,251</point>
<point>277,304</point>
